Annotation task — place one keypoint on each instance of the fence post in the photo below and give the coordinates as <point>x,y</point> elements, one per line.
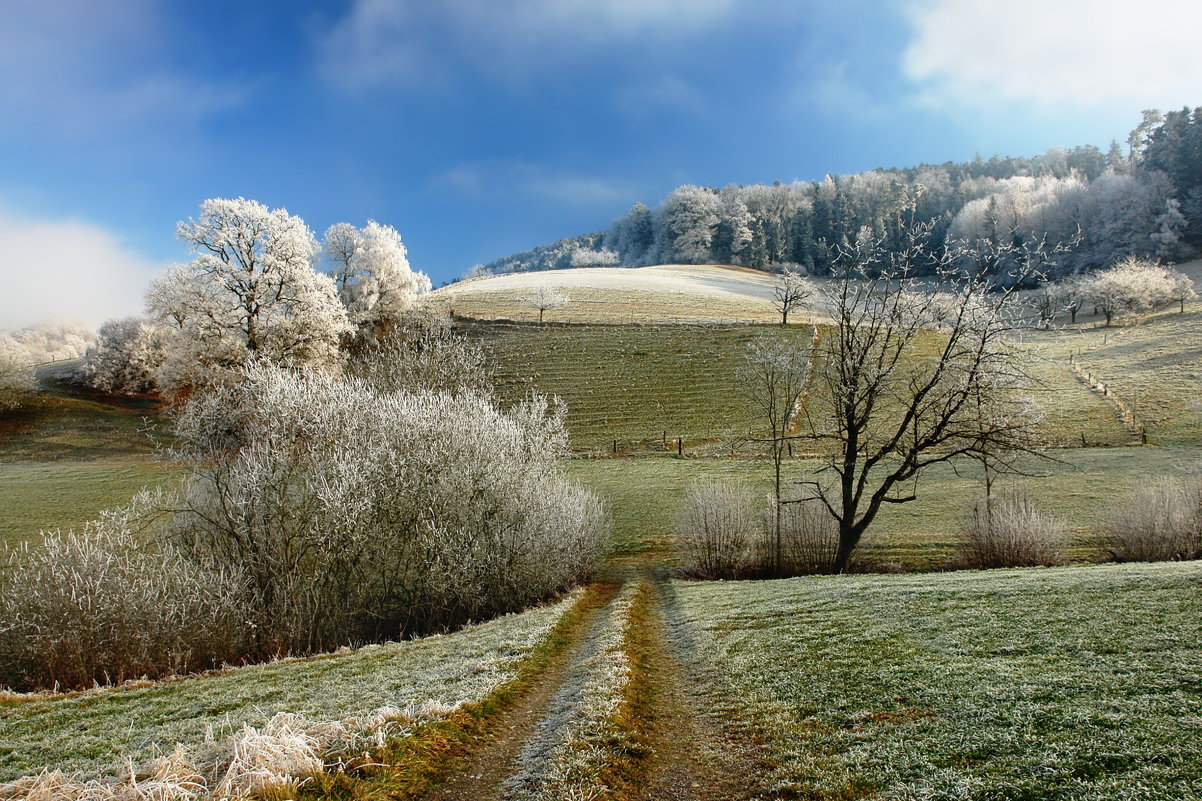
<point>679,447</point>
<point>615,446</point>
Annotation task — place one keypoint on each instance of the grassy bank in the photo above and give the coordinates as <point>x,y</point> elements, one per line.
<point>1058,683</point>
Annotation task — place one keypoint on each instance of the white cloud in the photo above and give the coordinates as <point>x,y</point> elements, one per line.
<point>413,42</point>
<point>484,180</point>
<point>1099,54</point>
<point>84,69</point>
<point>67,270</point>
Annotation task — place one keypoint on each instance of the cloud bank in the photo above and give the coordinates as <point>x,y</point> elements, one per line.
<point>1090,54</point>
<point>67,270</point>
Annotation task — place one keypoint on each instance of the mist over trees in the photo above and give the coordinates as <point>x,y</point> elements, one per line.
<point>1144,200</point>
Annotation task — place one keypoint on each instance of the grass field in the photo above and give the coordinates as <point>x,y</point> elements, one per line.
<point>665,294</point>
<point>645,493</point>
<point>48,495</point>
<point>91,733</point>
<point>1079,683</point>
<point>67,454</point>
<point>630,383</point>
<point>1156,367</point>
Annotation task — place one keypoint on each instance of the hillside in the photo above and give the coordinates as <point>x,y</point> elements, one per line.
<point>1065,681</point>
<point>665,293</point>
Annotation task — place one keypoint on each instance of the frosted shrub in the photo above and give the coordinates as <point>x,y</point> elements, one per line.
<point>421,352</point>
<point>1011,531</point>
<point>717,525</point>
<point>16,375</point>
<point>1162,523</point>
<point>809,539</point>
<point>126,357</point>
<point>98,607</point>
<point>359,514</point>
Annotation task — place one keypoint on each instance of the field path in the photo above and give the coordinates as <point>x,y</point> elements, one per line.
<point>696,755</point>
<point>493,757</point>
<point>678,744</point>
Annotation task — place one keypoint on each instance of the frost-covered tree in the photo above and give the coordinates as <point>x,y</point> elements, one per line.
<point>371,270</point>
<point>1136,285</point>
<point>633,236</point>
<point>686,223</point>
<point>54,341</point>
<point>546,297</point>
<point>251,291</point>
<point>127,356</point>
<point>588,257</point>
<point>16,375</point>
<point>792,289</point>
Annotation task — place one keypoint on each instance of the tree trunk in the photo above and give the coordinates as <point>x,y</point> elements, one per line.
<point>848,539</point>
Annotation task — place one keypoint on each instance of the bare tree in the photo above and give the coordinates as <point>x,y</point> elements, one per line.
<point>546,297</point>
<point>910,375</point>
<point>790,292</point>
<point>1072,295</point>
<point>773,377</point>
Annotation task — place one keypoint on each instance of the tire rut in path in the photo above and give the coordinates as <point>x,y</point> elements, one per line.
<point>493,757</point>
<point>695,754</point>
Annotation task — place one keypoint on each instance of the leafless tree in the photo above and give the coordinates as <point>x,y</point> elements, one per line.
<point>546,297</point>
<point>790,292</point>
<point>911,374</point>
<point>773,377</point>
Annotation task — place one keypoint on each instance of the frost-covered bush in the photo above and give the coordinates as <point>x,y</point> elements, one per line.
<point>422,352</point>
<point>1162,523</point>
<point>126,357</point>
<point>359,514</point>
<point>717,526</point>
<point>1011,531</point>
<point>16,377</point>
<point>99,607</point>
<point>809,539</point>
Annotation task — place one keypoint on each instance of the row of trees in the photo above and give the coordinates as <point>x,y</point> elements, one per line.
<point>253,290</point>
<point>1145,202</point>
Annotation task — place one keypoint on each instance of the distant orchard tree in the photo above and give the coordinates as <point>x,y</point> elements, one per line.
<point>792,290</point>
<point>546,297</point>
<point>773,377</point>
<point>371,271</point>
<point>251,291</point>
<point>1135,285</point>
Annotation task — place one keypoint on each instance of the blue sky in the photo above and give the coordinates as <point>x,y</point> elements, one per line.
<point>482,127</point>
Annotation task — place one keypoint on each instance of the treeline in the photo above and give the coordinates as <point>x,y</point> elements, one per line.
<point>1143,201</point>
